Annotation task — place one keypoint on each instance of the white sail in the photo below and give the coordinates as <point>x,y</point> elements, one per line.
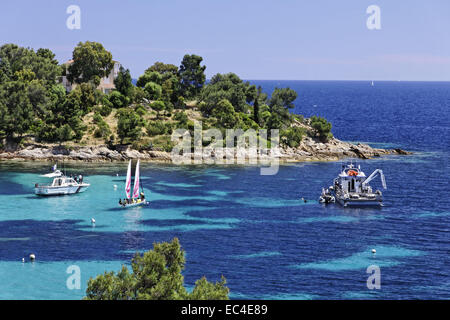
<point>136,182</point>
<point>128,181</point>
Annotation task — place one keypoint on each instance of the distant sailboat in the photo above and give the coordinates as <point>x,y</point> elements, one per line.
<point>372,83</point>
<point>133,199</point>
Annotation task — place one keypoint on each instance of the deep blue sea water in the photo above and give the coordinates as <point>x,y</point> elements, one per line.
<point>251,228</point>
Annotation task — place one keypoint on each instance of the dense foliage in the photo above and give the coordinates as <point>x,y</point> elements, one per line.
<point>91,62</point>
<point>322,126</point>
<point>34,104</point>
<point>155,275</point>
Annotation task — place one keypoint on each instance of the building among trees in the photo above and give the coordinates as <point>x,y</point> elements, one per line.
<point>106,83</point>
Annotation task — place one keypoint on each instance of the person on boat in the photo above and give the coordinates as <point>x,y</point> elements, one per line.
<point>142,196</point>
<point>120,201</point>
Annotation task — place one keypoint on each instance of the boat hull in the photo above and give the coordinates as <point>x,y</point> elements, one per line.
<point>59,191</point>
<point>359,203</point>
<point>132,205</point>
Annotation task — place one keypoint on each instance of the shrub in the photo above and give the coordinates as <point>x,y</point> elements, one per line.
<point>181,117</point>
<point>118,100</point>
<point>158,106</point>
<point>155,128</point>
<point>97,118</point>
<point>322,127</point>
<point>153,90</point>
<point>129,124</point>
<point>163,143</point>
<point>293,136</point>
<point>103,130</point>
<point>140,110</point>
<point>105,107</point>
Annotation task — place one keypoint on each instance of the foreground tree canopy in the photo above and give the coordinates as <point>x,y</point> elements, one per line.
<point>155,275</point>
<point>35,105</point>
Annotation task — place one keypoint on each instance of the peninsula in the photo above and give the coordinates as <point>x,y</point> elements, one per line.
<point>89,109</point>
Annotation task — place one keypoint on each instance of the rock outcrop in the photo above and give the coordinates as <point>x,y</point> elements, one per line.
<point>309,150</point>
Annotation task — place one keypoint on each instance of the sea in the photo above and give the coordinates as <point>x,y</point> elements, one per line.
<point>254,229</point>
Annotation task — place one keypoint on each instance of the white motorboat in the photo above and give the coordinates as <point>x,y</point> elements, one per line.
<point>136,198</point>
<point>60,186</point>
<point>351,187</point>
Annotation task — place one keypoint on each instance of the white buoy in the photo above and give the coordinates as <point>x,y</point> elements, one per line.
<point>117,174</point>
<point>32,257</point>
<point>23,259</point>
<point>92,220</point>
<point>115,186</point>
<point>374,251</point>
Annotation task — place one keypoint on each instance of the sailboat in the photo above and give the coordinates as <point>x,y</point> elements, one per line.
<point>135,198</point>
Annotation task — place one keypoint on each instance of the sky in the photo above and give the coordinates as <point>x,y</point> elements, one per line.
<point>263,39</point>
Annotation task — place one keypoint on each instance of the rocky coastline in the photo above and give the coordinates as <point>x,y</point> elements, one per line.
<point>309,150</point>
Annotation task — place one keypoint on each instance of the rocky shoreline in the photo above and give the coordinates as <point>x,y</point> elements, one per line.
<point>309,150</point>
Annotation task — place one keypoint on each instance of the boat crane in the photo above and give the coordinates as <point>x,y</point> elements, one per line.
<point>373,176</point>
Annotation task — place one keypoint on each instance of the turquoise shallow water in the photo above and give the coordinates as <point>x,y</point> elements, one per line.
<point>272,247</point>
<point>254,229</point>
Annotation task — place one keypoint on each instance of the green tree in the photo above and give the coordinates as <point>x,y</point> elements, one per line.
<point>65,133</point>
<point>42,63</point>
<point>123,82</point>
<point>149,76</point>
<point>279,104</point>
<point>21,101</point>
<point>118,100</point>
<point>158,106</point>
<point>169,79</point>
<point>89,96</point>
<point>153,90</point>
<point>225,114</point>
<point>91,62</point>
<point>166,70</point>
<point>192,75</point>
<point>284,97</point>
<point>292,136</point>
<point>260,99</point>
<point>156,275</point>
<point>228,86</point>
<point>129,125</point>
<point>182,119</point>
<point>322,126</point>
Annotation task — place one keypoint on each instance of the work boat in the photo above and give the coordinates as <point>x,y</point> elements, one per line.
<point>351,187</point>
<point>60,186</point>
<point>133,199</point>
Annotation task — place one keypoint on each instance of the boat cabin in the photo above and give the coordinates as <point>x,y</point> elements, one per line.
<point>62,181</point>
<point>351,179</point>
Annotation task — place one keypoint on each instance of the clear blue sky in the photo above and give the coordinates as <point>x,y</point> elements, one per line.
<point>257,39</point>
